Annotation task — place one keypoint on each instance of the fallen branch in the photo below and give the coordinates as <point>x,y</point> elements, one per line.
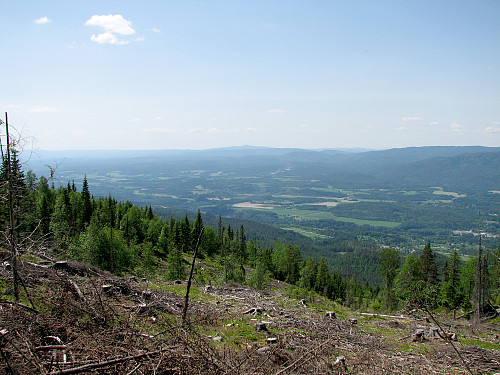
<point>449,339</point>
<point>111,362</point>
<point>386,316</point>
<point>20,305</point>
<point>301,357</point>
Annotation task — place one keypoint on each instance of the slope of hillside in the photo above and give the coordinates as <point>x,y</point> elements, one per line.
<point>470,171</point>
<point>77,319</point>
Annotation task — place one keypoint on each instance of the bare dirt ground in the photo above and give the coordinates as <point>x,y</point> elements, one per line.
<point>76,319</point>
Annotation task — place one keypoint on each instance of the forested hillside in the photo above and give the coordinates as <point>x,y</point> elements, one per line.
<point>123,238</point>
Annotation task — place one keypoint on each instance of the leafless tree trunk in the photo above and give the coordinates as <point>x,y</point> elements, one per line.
<point>12,231</point>
<point>184,310</point>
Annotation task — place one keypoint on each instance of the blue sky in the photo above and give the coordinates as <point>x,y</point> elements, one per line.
<point>203,74</point>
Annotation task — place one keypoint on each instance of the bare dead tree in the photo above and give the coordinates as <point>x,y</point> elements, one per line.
<point>480,295</point>
<point>12,229</point>
<point>184,310</point>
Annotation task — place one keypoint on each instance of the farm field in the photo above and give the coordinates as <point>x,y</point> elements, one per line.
<point>401,201</point>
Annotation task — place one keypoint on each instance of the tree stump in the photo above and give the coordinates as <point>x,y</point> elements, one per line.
<point>147,295</point>
<point>260,327</point>
<point>253,311</point>
<point>434,333</point>
<point>419,336</point>
<point>107,289</point>
<point>330,315</point>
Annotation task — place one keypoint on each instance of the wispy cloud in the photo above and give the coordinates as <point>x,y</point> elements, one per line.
<point>160,130</point>
<point>412,118</point>
<point>495,128</point>
<point>40,108</point>
<point>12,106</point>
<point>215,130</point>
<point>80,133</point>
<point>457,128</point>
<point>135,119</point>
<point>275,111</point>
<point>155,30</point>
<point>42,20</point>
<point>434,123</point>
<point>400,129</point>
<point>112,24</point>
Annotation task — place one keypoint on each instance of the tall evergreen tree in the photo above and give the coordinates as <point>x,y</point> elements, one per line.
<point>389,264</point>
<point>451,295</point>
<point>86,209</point>
<point>185,234</point>
<point>428,265</point>
<point>322,278</point>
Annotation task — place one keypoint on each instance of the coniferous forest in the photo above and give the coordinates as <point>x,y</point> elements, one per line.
<point>122,238</point>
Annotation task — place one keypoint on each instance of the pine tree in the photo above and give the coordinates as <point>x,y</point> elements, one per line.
<point>308,274</point>
<point>185,234</point>
<point>389,264</point>
<point>175,265</point>
<point>322,278</point>
<point>428,265</point>
<point>86,209</point>
<point>451,294</point>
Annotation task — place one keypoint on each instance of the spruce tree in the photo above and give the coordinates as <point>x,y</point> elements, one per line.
<point>451,294</point>
<point>86,210</point>
<point>428,265</point>
<point>389,264</point>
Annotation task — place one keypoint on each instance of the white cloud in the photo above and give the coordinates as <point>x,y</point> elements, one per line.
<point>112,24</point>
<point>195,130</point>
<point>275,111</point>
<point>140,39</point>
<point>456,127</point>
<point>135,119</point>
<point>12,106</point>
<point>107,38</point>
<point>412,118</point>
<point>80,133</point>
<point>159,130</point>
<point>39,108</point>
<point>434,123</point>
<point>215,130</point>
<point>42,20</point>
<point>155,30</point>
<point>493,129</point>
<point>400,129</point>
<point>158,118</point>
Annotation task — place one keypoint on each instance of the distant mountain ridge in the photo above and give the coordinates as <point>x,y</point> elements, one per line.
<point>424,166</point>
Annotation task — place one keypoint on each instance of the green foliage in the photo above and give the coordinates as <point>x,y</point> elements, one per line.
<point>286,260</point>
<point>451,294</point>
<point>175,265</point>
<point>389,265</point>
<point>121,237</point>
<point>260,277</point>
